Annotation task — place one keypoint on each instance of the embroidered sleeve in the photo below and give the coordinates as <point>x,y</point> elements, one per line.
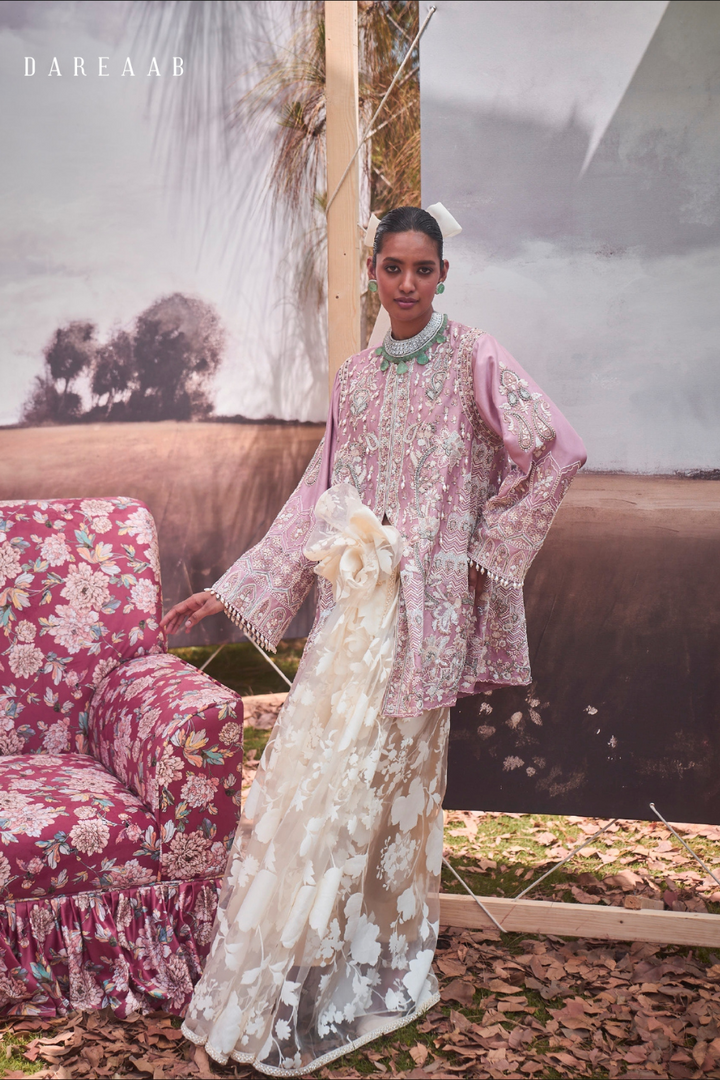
<point>542,453</point>
<point>263,591</point>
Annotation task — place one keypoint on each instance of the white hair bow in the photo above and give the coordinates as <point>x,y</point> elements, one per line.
<point>448,225</point>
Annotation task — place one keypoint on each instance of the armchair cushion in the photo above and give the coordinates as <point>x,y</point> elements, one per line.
<point>79,594</point>
<point>68,825</point>
<point>172,735</point>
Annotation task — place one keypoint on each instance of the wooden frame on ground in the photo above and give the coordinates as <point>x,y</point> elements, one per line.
<point>582,920</point>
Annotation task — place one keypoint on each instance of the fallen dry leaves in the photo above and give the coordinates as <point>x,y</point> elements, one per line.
<point>510,1007</point>
<point>579,1008</point>
<point>98,1044</point>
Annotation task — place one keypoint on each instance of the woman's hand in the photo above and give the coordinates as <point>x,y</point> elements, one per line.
<point>190,612</point>
<point>476,583</point>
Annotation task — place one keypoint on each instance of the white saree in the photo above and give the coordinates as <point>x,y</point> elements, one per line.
<point>328,917</point>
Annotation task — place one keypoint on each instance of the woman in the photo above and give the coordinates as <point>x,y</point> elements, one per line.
<point>441,469</point>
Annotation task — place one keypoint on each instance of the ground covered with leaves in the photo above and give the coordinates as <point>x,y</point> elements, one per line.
<point>512,1005</point>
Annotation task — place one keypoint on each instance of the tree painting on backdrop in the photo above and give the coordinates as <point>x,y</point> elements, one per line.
<point>164,327</point>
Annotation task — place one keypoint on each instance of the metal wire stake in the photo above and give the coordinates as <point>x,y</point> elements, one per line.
<point>467,889</point>
<point>210,659</point>
<point>695,856</point>
<point>566,859</point>
<point>270,662</point>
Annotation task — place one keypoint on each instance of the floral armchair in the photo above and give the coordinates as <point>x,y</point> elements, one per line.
<point>120,769</point>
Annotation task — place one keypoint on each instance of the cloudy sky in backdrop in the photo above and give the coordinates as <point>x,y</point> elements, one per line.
<point>577,141</point>
<point>578,144</point>
<point>96,221</point>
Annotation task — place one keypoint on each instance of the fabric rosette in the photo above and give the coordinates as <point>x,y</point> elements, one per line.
<point>353,551</point>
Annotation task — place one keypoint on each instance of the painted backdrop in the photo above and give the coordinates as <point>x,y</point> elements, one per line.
<point>578,144</point>
<point>148,307</point>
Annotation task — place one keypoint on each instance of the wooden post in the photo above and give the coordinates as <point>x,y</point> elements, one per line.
<point>343,244</point>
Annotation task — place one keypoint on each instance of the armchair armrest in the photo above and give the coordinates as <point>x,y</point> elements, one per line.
<point>173,735</point>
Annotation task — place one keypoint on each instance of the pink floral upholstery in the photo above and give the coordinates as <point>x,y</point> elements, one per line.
<point>120,769</point>
<point>170,734</point>
<point>79,594</point>
<point>68,825</point>
<point>135,951</point>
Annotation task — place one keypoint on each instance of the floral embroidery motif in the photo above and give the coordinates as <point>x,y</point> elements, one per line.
<point>328,919</point>
<point>527,413</point>
<point>264,589</point>
<point>438,371</point>
<point>363,391</point>
<point>313,470</point>
<point>352,460</point>
<point>455,481</point>
<point>517,523</point>
<point>465,352</point>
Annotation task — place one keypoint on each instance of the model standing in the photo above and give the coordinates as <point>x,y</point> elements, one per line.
<point>440,472</point>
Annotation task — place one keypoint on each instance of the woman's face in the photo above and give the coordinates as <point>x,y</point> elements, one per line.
<point>407,272</point>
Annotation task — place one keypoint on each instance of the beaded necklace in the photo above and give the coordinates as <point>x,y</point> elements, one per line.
<point>403,352</point>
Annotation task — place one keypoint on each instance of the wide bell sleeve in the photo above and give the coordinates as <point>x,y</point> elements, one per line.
<point>542,453</point>
<point>264,590</point>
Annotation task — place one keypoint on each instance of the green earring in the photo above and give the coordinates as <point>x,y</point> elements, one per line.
<point>440,288</point>
<point>372,285</point>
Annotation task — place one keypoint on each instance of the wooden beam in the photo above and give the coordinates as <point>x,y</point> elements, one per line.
<point>582,920</point>
<point>343,245</point>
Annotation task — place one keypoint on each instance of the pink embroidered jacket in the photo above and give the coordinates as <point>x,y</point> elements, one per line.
<point>470,461</point>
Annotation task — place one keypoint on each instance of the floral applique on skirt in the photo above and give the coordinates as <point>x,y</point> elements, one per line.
<point>328,917</point>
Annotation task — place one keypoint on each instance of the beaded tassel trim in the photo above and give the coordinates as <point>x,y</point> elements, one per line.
<point>423,342</point>
<point>235,616</point>
<point>507,582</point>
<point>339,1051</point>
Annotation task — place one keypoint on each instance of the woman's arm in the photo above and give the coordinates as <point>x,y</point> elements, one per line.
<point>264,589</point>
<point>543,454</point>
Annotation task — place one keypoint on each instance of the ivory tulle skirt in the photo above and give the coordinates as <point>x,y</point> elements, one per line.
<point>328,916</point>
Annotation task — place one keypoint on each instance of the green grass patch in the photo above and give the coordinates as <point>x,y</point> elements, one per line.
<point>12,1053</point>
<point>394,1047</point>
<point>255,739</point>
<point>510,840</point>
<point>240,666</point>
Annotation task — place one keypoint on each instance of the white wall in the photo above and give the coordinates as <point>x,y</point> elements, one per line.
<point>578,143</point>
